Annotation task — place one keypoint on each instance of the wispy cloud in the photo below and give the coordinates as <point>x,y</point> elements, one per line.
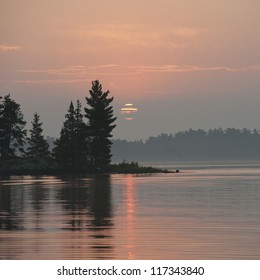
<point>66,75</point>
<point>5,48</point>
<point>193,68</point>
<point>81,73</point>
<point>136,35</point>
<point>53,81</point>
<point>66,71</point>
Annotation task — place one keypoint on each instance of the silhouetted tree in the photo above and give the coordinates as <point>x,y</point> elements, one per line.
<point>81,139</point>
<point>12,132</point>
<point>38,146</point>
<point>100,122</point>
<point>70,149</point>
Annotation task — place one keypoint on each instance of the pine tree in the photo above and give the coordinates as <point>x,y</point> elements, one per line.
<point>12,132</point>
<point>70,148</point>
<point>64,146</point>
<point>38,146</point>
<point>81,136</point>
<point>100,123</point>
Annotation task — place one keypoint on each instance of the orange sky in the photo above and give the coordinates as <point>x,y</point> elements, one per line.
<point>183,63</point>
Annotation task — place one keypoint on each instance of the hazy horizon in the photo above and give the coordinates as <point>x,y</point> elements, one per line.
<point>183,64</point>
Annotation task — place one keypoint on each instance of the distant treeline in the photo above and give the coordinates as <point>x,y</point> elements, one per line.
<point>214,144</point>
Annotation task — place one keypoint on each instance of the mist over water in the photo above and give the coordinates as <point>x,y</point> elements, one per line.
<point>208,211</point>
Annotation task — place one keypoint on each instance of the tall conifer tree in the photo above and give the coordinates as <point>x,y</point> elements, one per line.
<point>100,122</point>
<point>12,132</point>
<point>70,148</point>
<point>38,146</point>
<point>81,138</point>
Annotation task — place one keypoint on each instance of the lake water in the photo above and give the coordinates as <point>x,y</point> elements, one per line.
<point>208,211</point>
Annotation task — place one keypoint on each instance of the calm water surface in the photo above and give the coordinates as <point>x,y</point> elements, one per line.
<point>204,212</point>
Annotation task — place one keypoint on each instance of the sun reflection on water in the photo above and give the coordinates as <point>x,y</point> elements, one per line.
<point>130,194</point>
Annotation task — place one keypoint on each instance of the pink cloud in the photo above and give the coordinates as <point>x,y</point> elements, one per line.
<point>5,48</point>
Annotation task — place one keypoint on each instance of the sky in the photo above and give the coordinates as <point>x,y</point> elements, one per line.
<point>183,63</point>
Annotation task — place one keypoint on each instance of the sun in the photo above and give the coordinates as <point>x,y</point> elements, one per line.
<point>129,110</point>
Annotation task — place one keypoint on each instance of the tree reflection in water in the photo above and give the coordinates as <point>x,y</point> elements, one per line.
<point>11,206</point>
<point>87,202</point>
